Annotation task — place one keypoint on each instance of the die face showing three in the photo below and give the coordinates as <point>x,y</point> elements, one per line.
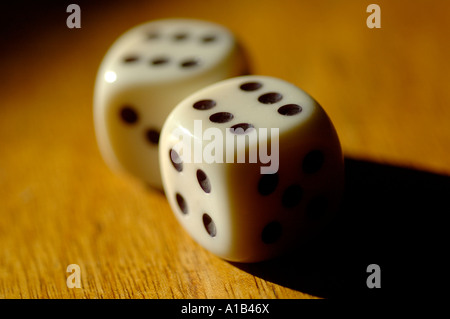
<point>253,207</point>
<point>144,74</point>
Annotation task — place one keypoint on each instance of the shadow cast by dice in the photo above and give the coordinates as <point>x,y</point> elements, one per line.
<point>389,217</point>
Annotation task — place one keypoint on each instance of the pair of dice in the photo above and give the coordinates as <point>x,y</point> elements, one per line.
<point>251,165</point>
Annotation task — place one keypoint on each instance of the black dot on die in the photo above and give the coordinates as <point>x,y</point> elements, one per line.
<point>267,184</point>
<point>292,196</point>
<point>181,203</point>
<point>209,39</point>
<point>209,224</point>
<point>250,86</point>
<point>270,98</point>
<point>204,105</point>
<point>159,61</point>
<point>152,136</point>
<point>180,36</point>
<point>290,109</point>
<point>317,208</point>
<point>313,162</point>
<point>221,117</point>
<point>189,63</point>
<point>128,114</point>
<point>131,58</point>
<point>176,160</point>
<point>271,233</point>
<point>203,181</point>
<point>242,128</point>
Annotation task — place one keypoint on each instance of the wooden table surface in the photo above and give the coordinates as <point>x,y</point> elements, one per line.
<point>386,90</point>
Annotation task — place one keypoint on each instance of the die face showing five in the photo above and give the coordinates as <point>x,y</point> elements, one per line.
<point>254,209</point>
<point>144,74</point>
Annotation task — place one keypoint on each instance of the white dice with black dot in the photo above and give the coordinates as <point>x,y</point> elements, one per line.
<point>231,208</point>
<point>144,74</point>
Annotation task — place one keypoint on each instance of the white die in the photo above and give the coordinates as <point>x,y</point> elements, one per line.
<point>144,74</point>
<point>231,208</point>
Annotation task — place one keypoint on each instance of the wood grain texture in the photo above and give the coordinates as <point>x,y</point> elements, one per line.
<point>386,91</point>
